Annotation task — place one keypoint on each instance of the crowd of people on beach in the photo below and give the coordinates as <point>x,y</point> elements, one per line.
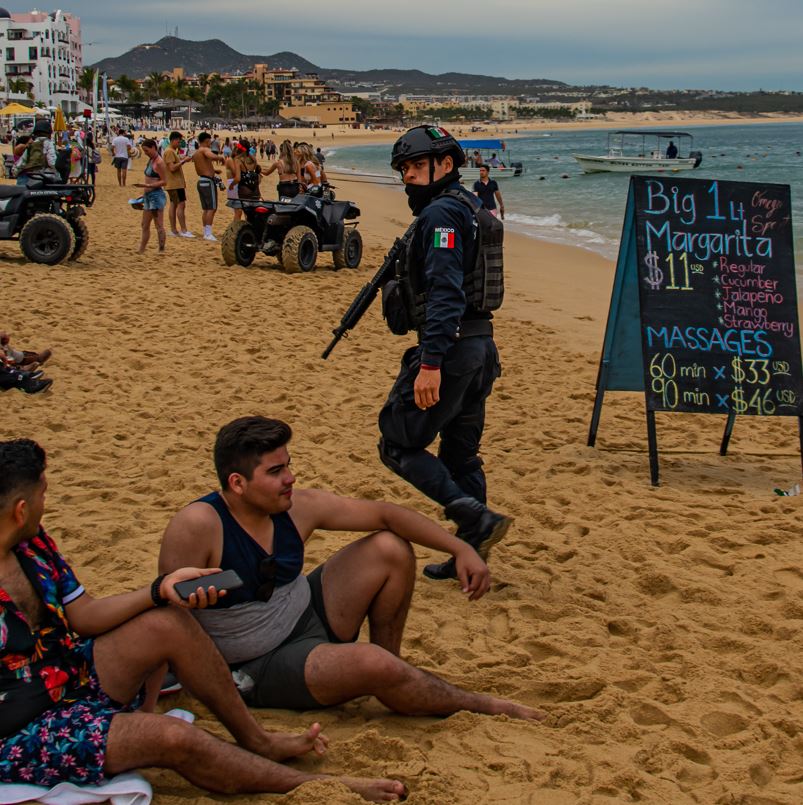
<point>230,166</point>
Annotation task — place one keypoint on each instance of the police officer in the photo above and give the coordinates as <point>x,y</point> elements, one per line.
<point>444,381</point>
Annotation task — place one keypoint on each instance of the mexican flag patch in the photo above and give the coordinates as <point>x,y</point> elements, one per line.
<point>444,238</point>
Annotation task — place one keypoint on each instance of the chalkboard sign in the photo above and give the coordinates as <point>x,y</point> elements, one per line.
<point>718,298</point>
<point>704,306</point>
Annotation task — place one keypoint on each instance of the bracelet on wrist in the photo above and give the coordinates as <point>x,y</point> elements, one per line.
<point>156,595</point>
<point>429,367</point>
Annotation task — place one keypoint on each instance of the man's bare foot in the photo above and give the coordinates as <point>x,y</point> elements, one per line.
<point>376,790</point>
<point>283,746</point>
<point>516,710</point>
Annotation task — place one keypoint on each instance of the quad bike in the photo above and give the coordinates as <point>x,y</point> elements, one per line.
<point>46,216</point>
<point>295,230</point>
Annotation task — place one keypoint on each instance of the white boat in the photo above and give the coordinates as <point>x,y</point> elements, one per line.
<point>644,151</point>
<point>488,150</point>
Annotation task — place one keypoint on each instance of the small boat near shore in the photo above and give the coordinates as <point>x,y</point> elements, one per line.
<point>488,149</point>
<point>644,151</point>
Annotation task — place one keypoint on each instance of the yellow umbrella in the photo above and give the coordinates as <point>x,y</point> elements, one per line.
<point>16,109</point>
<point>59,123</point>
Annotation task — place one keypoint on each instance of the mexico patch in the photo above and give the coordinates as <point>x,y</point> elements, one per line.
<point>444,238</point>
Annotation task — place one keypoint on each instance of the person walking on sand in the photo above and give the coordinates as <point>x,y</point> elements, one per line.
<point>121,146</point>
<point>487,191</point>
<point>176,186</point>
<point>79,676</point>
<point>204,161</point>
<point>154,198</point>
<point>444,380</point>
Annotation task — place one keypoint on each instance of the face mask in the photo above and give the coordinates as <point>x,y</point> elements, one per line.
<point>418,196</point>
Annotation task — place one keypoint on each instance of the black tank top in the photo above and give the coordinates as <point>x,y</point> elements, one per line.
<point>243,554</point>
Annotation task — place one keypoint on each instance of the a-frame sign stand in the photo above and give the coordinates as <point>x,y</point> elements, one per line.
<point>622,366</point>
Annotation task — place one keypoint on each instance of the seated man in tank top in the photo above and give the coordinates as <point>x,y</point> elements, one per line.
<point>291,639</point>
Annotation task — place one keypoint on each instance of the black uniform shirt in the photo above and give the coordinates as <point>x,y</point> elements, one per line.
<point>445,248</point>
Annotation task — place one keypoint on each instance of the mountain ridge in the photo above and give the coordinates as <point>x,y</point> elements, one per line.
<point>215,56</point>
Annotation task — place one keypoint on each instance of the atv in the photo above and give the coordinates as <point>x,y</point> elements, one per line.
<point>295,230</point>
<point>46,216</point>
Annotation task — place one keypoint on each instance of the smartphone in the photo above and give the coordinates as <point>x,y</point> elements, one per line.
<point>227,580</point>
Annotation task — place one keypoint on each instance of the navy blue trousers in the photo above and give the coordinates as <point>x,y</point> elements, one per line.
<point>467,376</point>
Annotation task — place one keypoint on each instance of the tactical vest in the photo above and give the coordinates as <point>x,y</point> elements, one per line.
<point>34,157</point>
<point>404,298</point>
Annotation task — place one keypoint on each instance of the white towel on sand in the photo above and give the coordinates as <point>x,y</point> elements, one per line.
<point>124,789</point>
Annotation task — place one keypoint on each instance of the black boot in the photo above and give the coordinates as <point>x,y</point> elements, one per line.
<point>441,570</point>
<point>478,526</point>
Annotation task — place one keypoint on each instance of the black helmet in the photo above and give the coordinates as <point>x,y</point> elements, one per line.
<point>42,128</point>
<point>426,141</point>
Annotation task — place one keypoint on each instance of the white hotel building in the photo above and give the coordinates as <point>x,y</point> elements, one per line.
<point>44,50</point>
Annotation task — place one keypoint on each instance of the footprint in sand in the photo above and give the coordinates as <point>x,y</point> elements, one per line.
<point>722,724</point>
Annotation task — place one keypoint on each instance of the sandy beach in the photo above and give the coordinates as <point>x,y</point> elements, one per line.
<point>660,628</point>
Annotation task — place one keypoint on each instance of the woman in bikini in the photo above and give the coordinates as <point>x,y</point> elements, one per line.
<point>154,198</point>
<point>287,167</point>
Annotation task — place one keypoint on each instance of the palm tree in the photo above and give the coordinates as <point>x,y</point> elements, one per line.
<point>125,85</point>
<point>194,95</point>
<point>153,84</point>
<point>86,82</point>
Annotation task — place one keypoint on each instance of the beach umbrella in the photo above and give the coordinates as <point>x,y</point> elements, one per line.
<point>59,123</point>
<point>16,109</point>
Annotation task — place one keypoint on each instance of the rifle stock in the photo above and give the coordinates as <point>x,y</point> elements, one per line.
<point>364,299</point>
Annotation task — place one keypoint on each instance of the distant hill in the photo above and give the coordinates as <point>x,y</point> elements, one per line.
<point>209,56</point>
<point>215,56</point>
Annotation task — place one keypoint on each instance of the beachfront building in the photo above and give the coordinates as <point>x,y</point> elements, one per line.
<point>302,96</point>
<point>41,58</point>
<point>326,114</point>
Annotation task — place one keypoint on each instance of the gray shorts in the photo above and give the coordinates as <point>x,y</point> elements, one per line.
<point>276,679</point>
<point>207,192</point>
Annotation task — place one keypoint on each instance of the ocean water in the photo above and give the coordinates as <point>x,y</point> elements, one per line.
<point>556,201</point>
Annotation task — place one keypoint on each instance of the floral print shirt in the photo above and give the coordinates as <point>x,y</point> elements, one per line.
<point>41,668</point>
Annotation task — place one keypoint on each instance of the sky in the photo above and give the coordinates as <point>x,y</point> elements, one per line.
<point>707,44</point>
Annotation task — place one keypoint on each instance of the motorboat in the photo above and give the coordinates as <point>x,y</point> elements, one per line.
<point>642,151</point>
<point>490,151</point>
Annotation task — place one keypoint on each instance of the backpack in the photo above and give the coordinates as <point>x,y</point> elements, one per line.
<point>249,179</point>
<point>63,163</point>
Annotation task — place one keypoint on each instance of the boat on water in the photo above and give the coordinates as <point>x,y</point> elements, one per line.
<point>489,151</point>
<point>644,151</point>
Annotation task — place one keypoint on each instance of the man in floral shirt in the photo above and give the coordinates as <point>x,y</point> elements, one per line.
<point>74,670</point>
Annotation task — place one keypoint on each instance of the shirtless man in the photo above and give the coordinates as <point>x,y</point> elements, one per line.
<point>291,639</point>
<point>72,668</point>
<point>204,159</point>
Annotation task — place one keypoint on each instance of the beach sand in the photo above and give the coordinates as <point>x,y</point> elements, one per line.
<point>660,628</point>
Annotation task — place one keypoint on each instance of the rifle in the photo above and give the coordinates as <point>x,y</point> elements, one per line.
<point>360,304</point>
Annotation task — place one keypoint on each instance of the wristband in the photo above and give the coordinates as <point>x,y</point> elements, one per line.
<point>430,368</point>
<point>156,595</point>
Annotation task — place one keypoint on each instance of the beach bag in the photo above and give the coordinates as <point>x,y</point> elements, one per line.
<point>97,157</point>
